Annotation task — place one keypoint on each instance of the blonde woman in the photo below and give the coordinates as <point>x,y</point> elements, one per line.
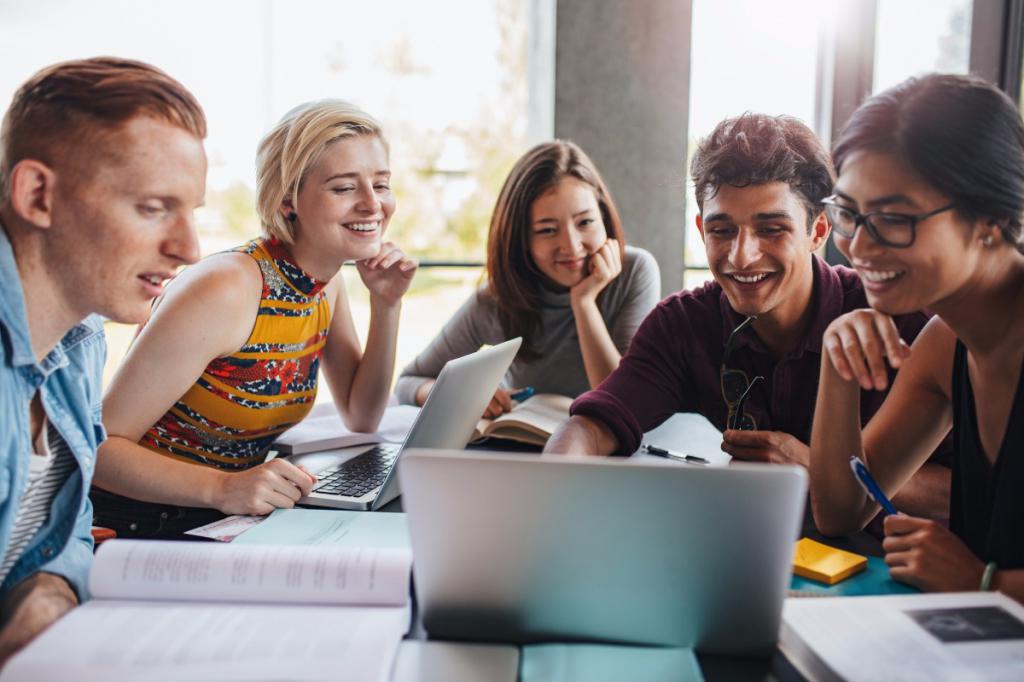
<point>229,358</point>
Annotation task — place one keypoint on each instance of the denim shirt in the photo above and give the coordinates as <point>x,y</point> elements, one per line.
<point>68,380</point>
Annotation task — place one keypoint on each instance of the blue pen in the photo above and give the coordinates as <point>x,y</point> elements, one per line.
<point>523,394</point>
<point>870,486</point>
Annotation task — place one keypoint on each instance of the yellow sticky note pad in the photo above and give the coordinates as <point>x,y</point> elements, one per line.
<point>829,565</point>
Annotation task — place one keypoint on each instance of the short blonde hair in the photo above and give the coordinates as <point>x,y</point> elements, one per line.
<point>287,152</point>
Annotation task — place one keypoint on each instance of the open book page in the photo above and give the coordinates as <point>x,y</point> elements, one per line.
<point>953,636</point>
<point>531,421</point>
<point>139,641</point>
<point>323,429</point>
<point>691,434</point>
<point>199,571</point>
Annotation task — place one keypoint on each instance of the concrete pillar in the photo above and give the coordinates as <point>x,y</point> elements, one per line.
<point>621,92</point>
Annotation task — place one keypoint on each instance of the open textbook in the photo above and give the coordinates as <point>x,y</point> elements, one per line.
<point>322,429</point>
<point>190,610</point>
<point>531,421</point>
<point>951,636</point>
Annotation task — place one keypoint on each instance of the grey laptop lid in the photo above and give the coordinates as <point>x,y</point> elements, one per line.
<point>554,548</point>
<point>455,404</point>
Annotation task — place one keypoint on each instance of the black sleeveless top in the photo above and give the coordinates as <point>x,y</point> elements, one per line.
<point>987,503</point>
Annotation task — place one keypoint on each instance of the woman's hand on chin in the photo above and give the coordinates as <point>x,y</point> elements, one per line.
<point>605,265</point>
<point>860,343</point>
<point>388,274</point>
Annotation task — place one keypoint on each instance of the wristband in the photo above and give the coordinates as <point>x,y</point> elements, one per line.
<point>987,575</point>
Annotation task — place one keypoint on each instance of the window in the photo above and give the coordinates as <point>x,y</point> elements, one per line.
<point>747,55</point>
<point>915,37</point>
<point>447,79</point>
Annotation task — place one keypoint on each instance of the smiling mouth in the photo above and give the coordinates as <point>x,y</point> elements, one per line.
<point>156,279</point>
<point>880,276</point>
<point>753,278</point>
<point>362,227</point>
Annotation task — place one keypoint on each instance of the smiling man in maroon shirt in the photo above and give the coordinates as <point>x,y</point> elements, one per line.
<point>759,182</point>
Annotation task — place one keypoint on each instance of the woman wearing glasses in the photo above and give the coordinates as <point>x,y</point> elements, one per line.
<point>928,209</point>
<point>559,274</point>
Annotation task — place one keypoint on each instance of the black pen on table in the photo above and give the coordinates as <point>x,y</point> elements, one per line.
<point>668,454</point>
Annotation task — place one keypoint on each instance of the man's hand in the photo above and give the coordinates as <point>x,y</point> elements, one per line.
<point>775,447</point>
<point>32,606</point>
<point>927,555</point>
<point>276,484</point>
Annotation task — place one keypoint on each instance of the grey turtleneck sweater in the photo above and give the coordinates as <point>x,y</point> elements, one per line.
<point>624,303</point>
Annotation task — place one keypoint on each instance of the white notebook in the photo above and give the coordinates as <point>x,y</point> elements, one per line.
<point>187,611</point>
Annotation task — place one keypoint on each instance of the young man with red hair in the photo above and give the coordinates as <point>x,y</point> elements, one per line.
<point>101,167</point>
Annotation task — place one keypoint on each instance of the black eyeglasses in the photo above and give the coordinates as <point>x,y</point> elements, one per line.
<point>897,230</point>
<point>736,386</point>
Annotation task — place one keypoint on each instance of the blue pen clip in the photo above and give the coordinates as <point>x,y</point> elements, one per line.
<point>867,482</point>
<point>522,395</point>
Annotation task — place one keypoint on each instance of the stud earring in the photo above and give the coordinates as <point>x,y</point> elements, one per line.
<point>292,216</point>
<point>987,240</point>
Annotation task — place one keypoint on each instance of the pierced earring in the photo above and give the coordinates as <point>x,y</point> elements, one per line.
<point>292,216</point>
<point>986,241</point>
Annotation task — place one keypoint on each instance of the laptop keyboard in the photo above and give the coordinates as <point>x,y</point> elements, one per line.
<point>359,475</point>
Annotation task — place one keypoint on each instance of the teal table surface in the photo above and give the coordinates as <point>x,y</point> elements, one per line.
<point>872,580</point>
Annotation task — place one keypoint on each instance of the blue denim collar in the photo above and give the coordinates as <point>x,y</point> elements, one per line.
<point>14,317</point>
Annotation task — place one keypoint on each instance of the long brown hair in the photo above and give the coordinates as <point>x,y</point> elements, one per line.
<point>514,282</point>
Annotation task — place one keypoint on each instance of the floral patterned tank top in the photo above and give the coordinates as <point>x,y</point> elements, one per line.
<point>243,401</point>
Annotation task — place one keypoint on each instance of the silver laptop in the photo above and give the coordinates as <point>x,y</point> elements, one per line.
<point>556,548</point>
<point>367,479</point>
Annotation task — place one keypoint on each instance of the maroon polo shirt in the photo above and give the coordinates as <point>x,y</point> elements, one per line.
<point>673,363</point>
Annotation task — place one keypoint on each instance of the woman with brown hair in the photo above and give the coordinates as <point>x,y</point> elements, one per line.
<point>558,274</point>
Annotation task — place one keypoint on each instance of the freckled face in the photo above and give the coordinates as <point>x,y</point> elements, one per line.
<point>123,223</point>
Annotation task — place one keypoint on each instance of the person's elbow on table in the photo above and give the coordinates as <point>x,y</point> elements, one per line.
<point>581,435</point>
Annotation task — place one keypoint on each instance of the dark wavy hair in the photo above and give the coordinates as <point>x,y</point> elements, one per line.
<point>960,134</point>
<point>514,282</point>
<point>755,149</point>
